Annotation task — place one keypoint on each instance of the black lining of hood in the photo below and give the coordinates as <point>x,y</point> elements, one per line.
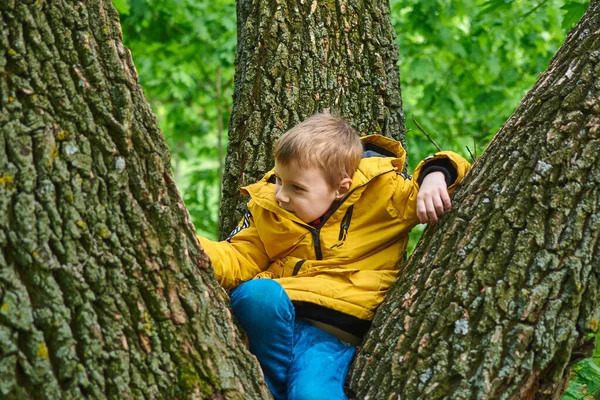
<point>378,149</point>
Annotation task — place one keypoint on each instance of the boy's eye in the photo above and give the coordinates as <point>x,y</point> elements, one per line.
<point>277,180</point>
<point>297,188</point>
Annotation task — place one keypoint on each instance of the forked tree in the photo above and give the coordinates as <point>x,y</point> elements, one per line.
<point>106,293</point>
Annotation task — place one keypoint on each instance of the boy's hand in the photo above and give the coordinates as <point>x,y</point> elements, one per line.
<point>433,199</point>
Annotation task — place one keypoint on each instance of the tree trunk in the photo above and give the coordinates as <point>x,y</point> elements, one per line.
<point>104,291</point>
<point>499,297</point>
<point>295,58</point>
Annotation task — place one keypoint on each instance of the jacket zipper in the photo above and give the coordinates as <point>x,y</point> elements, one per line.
<point>316,234</point>
<point>297,267</point>
<point>345,225</point>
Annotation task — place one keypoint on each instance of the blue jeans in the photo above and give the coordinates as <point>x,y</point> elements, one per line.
<point>299,360</point>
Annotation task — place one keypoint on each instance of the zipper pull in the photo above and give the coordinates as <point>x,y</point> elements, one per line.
<point>344,226</point>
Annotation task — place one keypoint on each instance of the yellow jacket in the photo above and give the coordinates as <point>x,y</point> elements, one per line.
<point>347,264</point>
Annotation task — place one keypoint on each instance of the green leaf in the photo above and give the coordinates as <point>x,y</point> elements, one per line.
<point>490,6</point>
<point>573,13</point>
<point>575,391</point>
<point>572,392</point>
<point>585,380</point>
<point>122,7</point>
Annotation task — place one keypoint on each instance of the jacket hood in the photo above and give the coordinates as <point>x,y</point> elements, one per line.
<point>391,156</point>
<point>385,146</point>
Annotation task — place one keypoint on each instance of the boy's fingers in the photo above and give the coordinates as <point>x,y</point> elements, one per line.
<point>431,211</point>
<point>446,200</point>
<point>421,211</point>
<point>438,204</point>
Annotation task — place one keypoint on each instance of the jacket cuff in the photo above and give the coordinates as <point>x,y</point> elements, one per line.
<point>440,165</point>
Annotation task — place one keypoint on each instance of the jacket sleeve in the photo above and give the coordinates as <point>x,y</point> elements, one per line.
<point>240,257</point>
<point>407,188</point>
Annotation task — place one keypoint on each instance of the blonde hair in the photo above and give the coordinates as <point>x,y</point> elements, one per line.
<point>324,141</point>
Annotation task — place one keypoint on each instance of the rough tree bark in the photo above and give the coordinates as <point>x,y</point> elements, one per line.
<point>499,297</point>
<point>104,292</point>
<point>103,289</point>
<point>295,58</point>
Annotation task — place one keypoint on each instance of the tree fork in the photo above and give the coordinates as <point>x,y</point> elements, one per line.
<point>501,295</point>
<point>104,291</point>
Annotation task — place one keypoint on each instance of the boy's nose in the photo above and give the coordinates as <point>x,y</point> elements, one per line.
<point>281,197</point>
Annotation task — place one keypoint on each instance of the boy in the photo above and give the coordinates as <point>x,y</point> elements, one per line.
<point>326,227</point>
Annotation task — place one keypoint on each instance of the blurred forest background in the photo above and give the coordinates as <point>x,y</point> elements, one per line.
<point>465,66</point>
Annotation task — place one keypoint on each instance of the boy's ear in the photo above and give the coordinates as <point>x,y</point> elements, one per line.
<point>343,188</point>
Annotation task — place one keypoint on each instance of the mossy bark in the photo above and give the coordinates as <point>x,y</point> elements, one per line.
<point>500,296</point>
<point>104,291</point>
<point>295,58</point>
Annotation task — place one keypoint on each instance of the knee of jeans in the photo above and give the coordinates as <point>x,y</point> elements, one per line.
<point>263,295</point>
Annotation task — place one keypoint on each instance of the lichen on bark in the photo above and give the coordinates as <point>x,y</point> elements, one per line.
<point>104,291</point>
<point>505,289</point>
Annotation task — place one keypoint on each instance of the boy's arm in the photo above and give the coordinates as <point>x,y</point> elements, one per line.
<point>240,257</point>
<point>426,197</point>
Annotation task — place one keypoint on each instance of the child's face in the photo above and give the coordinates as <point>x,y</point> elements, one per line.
<point>304,191</point>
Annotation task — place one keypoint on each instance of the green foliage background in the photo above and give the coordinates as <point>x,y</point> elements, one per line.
<point>465,66</point>
<point>184,52</point>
